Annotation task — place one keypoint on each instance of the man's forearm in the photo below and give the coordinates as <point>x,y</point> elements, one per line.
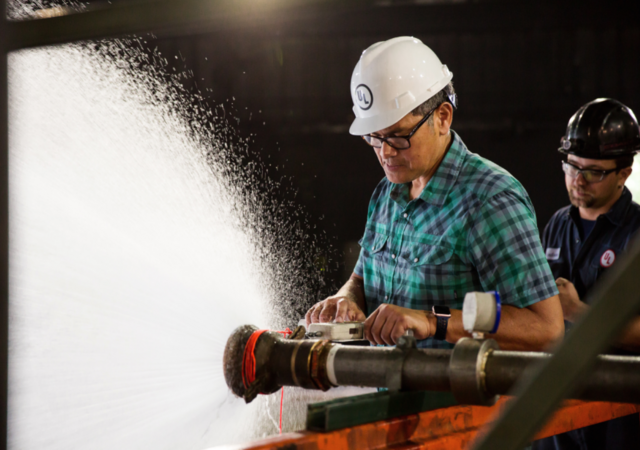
<point>533,328</point>
<point>354,289</point>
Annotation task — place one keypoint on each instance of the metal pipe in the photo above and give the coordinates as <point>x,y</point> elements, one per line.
<point>317,364</point>
<point>476,371</point>
<point>614,378</point>
<point>424,371</point>
<point>421,370</point>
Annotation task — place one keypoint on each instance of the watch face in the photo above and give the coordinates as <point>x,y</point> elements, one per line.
<point>441,311</point>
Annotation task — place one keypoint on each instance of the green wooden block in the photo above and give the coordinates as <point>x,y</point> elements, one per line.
<point>367,408</point>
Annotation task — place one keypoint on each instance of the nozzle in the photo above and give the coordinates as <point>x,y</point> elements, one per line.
<point>233,355</point>
<point>248,382</point>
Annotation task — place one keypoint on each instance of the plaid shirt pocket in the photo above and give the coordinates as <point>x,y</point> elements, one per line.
<point>437,255</point>
<point>435,276</point>
<point>373,242</point>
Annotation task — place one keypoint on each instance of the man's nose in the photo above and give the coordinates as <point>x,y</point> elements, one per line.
<point>388,151</point>
<point>579,180</point>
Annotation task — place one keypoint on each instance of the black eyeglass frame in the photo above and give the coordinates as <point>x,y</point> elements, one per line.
<point>367,137</point>
<point>602,173</point>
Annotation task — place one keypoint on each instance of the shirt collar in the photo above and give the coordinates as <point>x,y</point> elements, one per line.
<point>615,214</point>
<point>619,209</point>
<point>440,184</point>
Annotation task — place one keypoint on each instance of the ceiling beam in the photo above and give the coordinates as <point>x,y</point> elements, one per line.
<point>316,19</point>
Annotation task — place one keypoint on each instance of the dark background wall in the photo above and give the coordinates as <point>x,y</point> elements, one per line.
<point>521,69</point>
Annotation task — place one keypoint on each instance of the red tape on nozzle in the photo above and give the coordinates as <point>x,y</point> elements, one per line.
<point>249,358</point>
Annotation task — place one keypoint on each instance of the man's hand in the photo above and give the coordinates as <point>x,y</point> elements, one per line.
<point>338,308</point>
<point>572,307</point>
<point>389,322</point>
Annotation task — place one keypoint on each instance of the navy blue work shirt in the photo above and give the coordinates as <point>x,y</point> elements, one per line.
<point>582,260</point>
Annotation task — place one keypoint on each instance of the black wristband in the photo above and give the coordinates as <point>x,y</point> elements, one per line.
<point>442,313</point>
<point>441,328</point>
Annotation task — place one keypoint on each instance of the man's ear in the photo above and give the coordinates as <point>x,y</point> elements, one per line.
<point>442,117</point>
<point>624,174</point>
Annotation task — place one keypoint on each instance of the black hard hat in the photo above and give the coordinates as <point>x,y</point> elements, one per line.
<point>602,129</point>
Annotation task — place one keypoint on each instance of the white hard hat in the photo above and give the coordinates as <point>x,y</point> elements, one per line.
<point>391,79</point>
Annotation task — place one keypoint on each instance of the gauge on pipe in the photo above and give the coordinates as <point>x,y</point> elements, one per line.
<point>481,313</point>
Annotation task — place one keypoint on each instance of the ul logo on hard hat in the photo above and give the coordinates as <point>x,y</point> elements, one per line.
<point>608,258</point>
<point>364,97</point>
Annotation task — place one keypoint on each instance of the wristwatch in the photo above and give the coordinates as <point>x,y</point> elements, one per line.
<point>442,313</point>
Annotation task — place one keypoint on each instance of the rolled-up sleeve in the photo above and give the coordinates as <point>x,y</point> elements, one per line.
<point>359,268</point>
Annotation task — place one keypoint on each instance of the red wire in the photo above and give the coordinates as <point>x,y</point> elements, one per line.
<point>281,402</point>
<point>249,365</point>
<point>286,332</point>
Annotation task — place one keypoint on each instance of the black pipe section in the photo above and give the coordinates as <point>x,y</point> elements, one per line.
<point>613,379</point>
<point>303,363</point>
<point>422,370</point>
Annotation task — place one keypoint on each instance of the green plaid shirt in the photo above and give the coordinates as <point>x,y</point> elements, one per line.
<point>473,228</point>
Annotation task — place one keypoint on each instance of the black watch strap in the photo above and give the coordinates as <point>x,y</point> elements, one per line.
<point>441,327</point>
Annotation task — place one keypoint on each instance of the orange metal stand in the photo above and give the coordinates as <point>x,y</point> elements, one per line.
<point>441,429</point>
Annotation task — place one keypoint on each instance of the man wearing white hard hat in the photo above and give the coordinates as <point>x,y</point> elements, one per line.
<point>443,221</point>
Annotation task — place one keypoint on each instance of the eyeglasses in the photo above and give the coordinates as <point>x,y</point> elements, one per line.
<point>397,142</point>
<point>589,175</point>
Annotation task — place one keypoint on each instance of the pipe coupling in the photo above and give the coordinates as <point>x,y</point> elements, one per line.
<point>318,364</point>
<point>467,371</point>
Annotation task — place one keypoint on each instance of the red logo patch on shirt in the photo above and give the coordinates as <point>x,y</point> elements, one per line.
<point>608,258</point>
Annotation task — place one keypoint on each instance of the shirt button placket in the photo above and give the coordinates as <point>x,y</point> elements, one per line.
<point>396,244</point>
<point>392,263</point>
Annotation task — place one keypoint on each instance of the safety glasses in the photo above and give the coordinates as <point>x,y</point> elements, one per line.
<point>589,175</point>
<point>397,142</point>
